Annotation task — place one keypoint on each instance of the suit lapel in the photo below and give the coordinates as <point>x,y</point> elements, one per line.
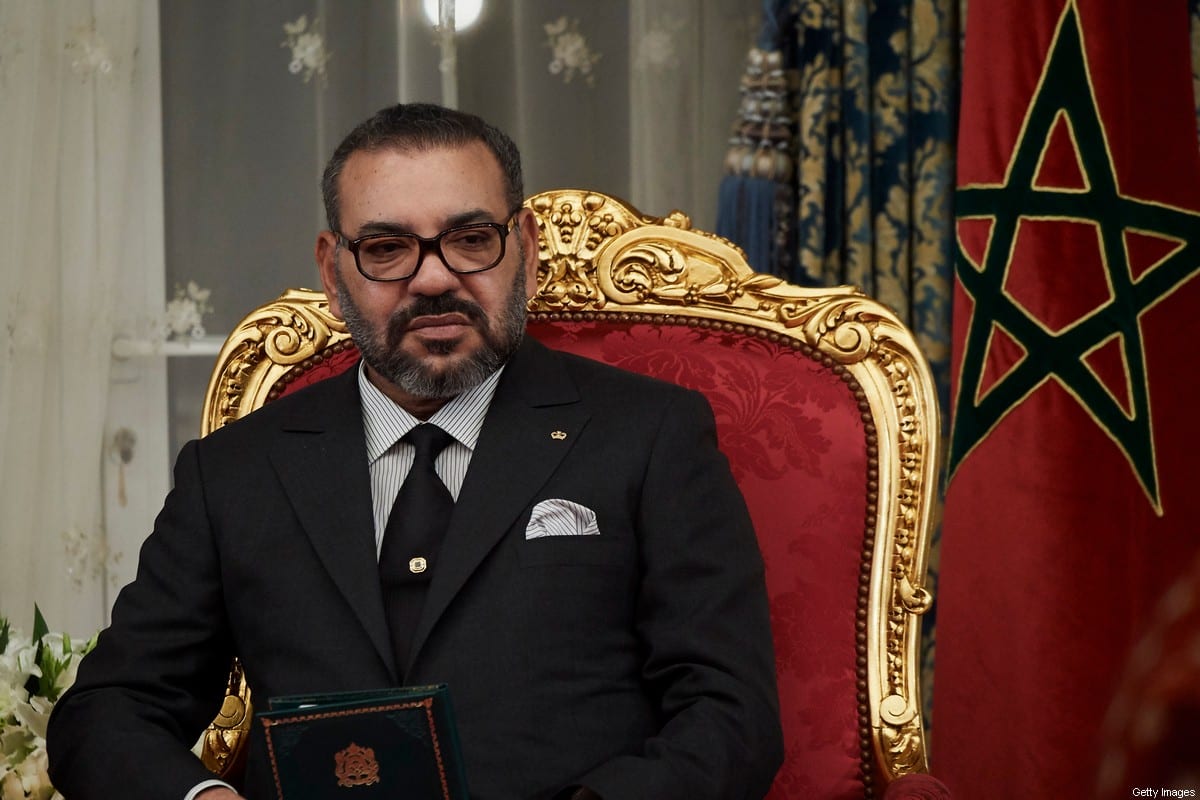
<point>321,459</point>
<point>534,420</point>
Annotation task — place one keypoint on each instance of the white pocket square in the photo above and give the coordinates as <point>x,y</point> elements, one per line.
<point>561,518</point>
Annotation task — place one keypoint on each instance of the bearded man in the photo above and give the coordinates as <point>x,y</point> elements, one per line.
<point>591,590</point>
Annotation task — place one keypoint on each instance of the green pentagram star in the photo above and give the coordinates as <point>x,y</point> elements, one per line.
<point>1066,89</point>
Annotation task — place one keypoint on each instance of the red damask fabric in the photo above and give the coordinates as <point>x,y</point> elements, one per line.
<point>795,440</point>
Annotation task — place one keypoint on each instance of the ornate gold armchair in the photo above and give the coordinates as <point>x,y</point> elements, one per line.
<point>825,409</point>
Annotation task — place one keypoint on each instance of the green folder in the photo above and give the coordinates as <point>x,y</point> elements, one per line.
<point>368,745</point>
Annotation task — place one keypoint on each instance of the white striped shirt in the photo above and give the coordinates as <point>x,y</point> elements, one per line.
<point>390,459</point>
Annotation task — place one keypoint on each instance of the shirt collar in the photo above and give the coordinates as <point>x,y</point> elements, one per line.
<point>385,423</point>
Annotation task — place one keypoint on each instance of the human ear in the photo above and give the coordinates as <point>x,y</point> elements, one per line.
<point>326,253</point>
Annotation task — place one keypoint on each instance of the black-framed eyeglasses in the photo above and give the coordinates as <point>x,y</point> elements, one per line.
<point>464,249</point>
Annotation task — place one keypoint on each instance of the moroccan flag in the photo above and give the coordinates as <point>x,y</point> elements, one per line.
<point>1073,496</point>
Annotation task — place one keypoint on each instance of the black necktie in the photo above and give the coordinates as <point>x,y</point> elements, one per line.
<point>413,537</point>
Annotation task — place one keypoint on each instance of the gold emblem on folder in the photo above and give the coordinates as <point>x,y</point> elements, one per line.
<point>558,435</point>
<point>356,766</point>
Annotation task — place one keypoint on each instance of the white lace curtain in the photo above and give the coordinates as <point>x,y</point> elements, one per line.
<point>78,208</point>
<point>111,181</point>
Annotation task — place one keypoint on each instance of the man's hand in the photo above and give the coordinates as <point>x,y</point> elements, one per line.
<point>219,793</point>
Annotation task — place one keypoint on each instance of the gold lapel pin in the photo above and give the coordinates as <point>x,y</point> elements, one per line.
<point>558,436</point>
<point>417,565</point>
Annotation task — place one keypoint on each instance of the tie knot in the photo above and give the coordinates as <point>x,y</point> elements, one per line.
<point>429,440</point>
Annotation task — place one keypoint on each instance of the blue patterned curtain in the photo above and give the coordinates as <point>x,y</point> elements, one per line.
<point>842,165</point>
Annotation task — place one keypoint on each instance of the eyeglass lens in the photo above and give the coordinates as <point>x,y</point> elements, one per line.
<point>468,249</point>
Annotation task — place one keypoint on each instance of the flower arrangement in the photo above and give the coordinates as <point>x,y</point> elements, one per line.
<point>34,672</point>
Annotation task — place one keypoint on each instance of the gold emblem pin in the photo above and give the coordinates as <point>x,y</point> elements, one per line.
<point>417,565</point>
<point>558,435</point>
<point>356,766</point>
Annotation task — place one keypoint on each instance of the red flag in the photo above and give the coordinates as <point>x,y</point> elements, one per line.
<point>1072,500</point>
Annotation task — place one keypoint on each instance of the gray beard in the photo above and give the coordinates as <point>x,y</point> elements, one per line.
<point>382,353</point>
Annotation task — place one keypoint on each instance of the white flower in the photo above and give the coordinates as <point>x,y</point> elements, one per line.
<point>34,778</point>
<point>18,661</point>
<point>11,787</point>
<point>34,715</point>
<point>51,663</point>
<point>11,694</point>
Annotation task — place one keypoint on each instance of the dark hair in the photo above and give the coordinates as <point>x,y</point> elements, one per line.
<point>422,126</point>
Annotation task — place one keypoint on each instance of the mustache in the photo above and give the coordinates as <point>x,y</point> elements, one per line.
<point>424,306</point>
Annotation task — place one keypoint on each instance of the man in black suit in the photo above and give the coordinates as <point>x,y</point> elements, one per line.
<point>596,604</point>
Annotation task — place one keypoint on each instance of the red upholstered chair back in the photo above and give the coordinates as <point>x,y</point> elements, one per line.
<point>824,408</point>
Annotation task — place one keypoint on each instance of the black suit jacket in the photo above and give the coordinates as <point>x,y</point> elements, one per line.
<point>637,662</point>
